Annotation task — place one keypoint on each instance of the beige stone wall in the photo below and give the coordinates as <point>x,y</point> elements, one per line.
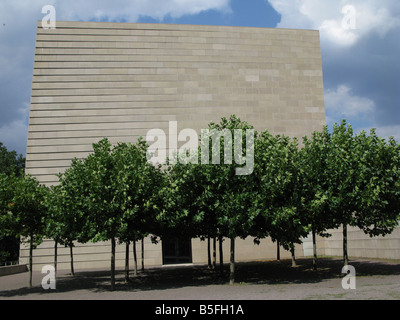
<point>245,250</point>
<point>91,255</point>
<point>98,255</point>
<point>360,245</point>
<point>119,80</point>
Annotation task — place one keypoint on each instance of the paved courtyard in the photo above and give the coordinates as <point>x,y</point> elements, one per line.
<point>262,280</point>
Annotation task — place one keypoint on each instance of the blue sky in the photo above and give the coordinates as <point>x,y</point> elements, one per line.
<point>360,48</point>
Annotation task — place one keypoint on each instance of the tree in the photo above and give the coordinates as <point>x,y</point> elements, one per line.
<point>364,182</point>
<point>192,194</point>
<point>378,184</point>
<point>343,169</point>
<point>24,213</point>
<point>64,220</point>
<point>136,185</point>
<point>89,184</point>
<point>314,189</point>
<point>68,208</point>
<point>234,183</point>
<point>180,215</point>
<point>10,163</point>
<point>278,197</point>
<point>113,189</point>
<point>6,202</point>
<point>103,209</point>
<point>212,200</point>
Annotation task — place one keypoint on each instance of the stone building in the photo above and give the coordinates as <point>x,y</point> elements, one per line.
<point>119,80</point>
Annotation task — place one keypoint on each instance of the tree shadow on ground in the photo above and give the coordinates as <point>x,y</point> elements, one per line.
<point>274,272</point>
<point>248,273</point>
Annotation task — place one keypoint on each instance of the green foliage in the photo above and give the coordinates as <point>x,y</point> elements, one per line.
<point>64,220</point>
<point>233,209</point>
<point>204,200</point>
<point>278,190</point>
<point>68,206</point>
<point>22,206</point>
<point>136,185</point>
<point>107,196</point>
<point>343,169</point>
<point>315,181</point>
<point>378,184</point>
<point>10,161</point>
<point>182,201</point>
<point>111,193</point>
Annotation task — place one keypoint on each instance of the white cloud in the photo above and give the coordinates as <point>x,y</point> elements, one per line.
<point>328,17</point>
<point>109,10</point>
<point>342,103</point>
<point>384,131</point>
<point>131,10</point>
<point>389,131</point>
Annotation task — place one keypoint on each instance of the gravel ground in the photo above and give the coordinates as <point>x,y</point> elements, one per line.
<point>262,280</point>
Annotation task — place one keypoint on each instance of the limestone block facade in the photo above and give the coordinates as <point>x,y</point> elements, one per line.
<point>119,80</point>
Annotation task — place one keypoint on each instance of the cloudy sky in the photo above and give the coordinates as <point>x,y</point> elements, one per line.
<point>360,44</point>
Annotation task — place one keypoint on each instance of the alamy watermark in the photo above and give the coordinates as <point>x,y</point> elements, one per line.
<point>188,153</point>
<point>349,280</point>
<point>49,280</point>
<point>349,20</point>
<point>49,20</point>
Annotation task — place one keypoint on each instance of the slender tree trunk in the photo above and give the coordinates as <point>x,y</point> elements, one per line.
<point>278,251</point>
<point>293,256</point>
<point>232,263</point>
<point>221,256</point>
<point>127,261</point>
<point>134,258</point>
<point>142,254</point>
<point>214,266</point>
<point>209,252</point>
<point>72,258</point>
<point>30,260</point>
<point>314,250</point>
<point>55,256</point>
<point>112,263</point>
<point>345,254</point>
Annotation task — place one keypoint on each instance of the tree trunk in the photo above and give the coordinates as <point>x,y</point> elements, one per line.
<point>345,255</point>
<point>221,256</point>
<point>30,260</point>
<point>278,251</point>
<point>72,259</point>
<point>112,263</point>
<point>209,252</point>
<point>314,250</point>
<point>232,263</point>
<point>142,254</point>
<point>134,258</point>
<point>293,256</point>
<point>214,263</point>
<point>127,261</point>
<point>55,256</point>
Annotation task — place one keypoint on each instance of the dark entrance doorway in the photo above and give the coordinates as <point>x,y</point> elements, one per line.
<point>177,250</point>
